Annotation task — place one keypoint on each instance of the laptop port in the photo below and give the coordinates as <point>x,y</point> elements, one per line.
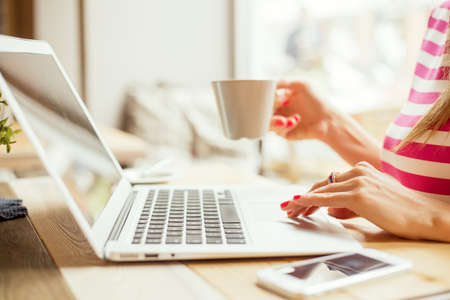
<point>151,255</point>
<point>129,255</point>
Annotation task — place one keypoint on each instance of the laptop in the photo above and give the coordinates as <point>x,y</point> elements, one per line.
<point>125,222</point>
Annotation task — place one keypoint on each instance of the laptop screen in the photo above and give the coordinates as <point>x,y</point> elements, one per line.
<point>73,148</point>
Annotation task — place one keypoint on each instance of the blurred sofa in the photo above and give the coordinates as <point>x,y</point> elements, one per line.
<point>182,123</point>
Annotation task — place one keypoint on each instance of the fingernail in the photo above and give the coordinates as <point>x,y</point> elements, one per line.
<point>296,197</point>
<point>296,118</point>
<point>284,204</point>
<point>290,123</point>
<point>285,102</point>
<point>289,212</point>
<point>279,123</point>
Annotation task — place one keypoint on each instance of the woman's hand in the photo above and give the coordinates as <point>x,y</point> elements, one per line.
<point>364,191</point>
<point>298,113</point>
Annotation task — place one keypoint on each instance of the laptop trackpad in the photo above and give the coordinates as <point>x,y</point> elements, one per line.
<point>268,223</point>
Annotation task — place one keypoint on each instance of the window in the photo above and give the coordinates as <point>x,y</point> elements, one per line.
<point>359,54</point>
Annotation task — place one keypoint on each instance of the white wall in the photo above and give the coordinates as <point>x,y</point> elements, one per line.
<point>145,40</point>
<point>57,22</point>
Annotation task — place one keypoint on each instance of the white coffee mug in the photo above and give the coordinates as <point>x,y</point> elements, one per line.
<point>245,107</point>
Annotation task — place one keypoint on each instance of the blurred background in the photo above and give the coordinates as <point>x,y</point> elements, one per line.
<point>144,67</point>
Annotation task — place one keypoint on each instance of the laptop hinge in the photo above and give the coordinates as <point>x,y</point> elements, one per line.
<point>120,221</point>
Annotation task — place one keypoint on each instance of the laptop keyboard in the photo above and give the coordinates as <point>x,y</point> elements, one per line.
<point>189,217</point>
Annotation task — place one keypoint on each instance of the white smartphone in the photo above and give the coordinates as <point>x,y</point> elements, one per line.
<point>310,277</point>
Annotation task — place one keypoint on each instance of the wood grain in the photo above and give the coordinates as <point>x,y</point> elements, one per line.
<point>237,278</point>
<point>27,270</point>
<point>90,278</point>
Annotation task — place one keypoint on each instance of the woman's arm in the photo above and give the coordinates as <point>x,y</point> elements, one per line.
<point>350,140</point>
<point>299,114</point>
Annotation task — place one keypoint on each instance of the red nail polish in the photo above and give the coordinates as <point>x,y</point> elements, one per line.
<point>296,197</point>
<point>284,204</point>
<point>285,102</point>
<point>279,122</point>
<point>289,212</point>
<point>290,123</point>
<point>296,118</point>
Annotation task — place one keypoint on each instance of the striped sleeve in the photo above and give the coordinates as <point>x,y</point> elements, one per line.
<point>418,166</point>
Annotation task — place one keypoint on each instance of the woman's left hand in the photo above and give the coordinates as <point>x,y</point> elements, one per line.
<point>365,191</point>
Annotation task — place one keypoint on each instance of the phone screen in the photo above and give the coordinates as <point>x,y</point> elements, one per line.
<point>335,268</point>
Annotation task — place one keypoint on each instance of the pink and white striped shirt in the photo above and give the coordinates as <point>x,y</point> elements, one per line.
<point>425,169</point>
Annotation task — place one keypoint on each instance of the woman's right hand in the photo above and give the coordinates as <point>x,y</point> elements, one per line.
<point>298,113</point>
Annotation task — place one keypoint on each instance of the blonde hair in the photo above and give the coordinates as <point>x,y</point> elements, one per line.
<point>434,119</point>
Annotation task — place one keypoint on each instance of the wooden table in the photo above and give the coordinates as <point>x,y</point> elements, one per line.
<point>73,271</point>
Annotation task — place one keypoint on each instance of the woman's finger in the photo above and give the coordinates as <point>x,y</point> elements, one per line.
<point>335,187</point>
<point>296,212</point>
<point>310,210</point>
<point>340,177</point>
<point>322,183</point>
<point>310,200</point>
<point>278,122</point>
<point>292,121</point>
<point>278,125</point>
<point>281,98</point>
<point>318,185</point>
<point>341,213</point>
<point>339,199</point>
<point>282,125</point>
<point>291,205</point>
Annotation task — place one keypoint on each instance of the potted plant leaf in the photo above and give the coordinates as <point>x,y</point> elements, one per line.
<point>6,132</point>
<point>9,208</point>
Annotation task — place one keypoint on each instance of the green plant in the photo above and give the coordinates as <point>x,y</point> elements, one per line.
<point>6,132</point>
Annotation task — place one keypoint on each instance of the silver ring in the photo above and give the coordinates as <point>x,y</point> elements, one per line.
<point>332,177</point>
